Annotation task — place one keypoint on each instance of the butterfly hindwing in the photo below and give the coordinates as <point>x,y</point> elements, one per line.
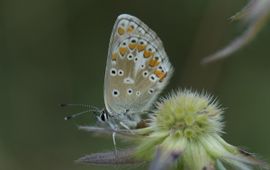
<point>137,67</point>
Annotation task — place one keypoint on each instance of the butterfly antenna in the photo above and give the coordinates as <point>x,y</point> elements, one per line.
<point>90,109</point>
<point>77,105</point>
<point>76,115</point>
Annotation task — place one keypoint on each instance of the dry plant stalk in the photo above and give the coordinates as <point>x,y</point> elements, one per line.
<point>254,15</point>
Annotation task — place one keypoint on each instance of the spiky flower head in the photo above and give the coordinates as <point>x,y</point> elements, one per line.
<point>184,133</point>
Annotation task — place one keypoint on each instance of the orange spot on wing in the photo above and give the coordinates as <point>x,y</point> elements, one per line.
<point>141,47</point>
<point>132,45</point>
<point>121,31</point>
<point>114,56</point>
<point>147,54</point>
<point>123,50</point>
<point>153,62</point>
<point>130,29</point>
<point>160,74</point>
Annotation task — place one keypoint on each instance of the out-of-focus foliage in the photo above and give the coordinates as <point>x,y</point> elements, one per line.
<point>54,52</point>
<point>255,15</point>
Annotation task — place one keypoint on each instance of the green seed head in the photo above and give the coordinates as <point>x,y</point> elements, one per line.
<point>182,134</point>
<point>185,130</point>
<point>188,114</point>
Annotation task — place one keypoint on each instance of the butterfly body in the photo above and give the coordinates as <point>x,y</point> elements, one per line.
<point>117,121</point>
<point>137,69</point>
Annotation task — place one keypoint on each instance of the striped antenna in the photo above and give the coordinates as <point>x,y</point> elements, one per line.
<point>90,109</point>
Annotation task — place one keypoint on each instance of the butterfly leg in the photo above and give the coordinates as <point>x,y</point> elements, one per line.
<point>126,127</point>
<point>114,142</point>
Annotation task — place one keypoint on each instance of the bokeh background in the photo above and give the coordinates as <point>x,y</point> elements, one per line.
<point>55,51</point>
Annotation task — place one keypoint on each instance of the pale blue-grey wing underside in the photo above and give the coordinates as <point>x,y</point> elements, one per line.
<point>137,67</point>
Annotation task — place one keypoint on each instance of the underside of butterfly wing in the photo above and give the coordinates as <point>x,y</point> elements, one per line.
<point>137,67</point>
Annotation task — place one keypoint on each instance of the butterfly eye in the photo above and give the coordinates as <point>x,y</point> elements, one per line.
<point>120,72</point>
<point>129,91</point>
<point>136,59</point>
<point>142,66</point>
<point>115,92</point>
<point>103,117</point>
<point>113,72</point>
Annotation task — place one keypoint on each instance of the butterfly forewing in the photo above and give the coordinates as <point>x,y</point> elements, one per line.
<point>137,67</point>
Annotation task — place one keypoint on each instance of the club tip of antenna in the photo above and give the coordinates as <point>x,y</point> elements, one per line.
<point>62,105</point>
<point>67,117</point>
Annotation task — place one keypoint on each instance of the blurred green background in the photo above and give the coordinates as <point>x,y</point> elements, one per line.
<point>55,51</point>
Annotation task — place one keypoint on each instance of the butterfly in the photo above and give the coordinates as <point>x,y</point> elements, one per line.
<point>137,70</point>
